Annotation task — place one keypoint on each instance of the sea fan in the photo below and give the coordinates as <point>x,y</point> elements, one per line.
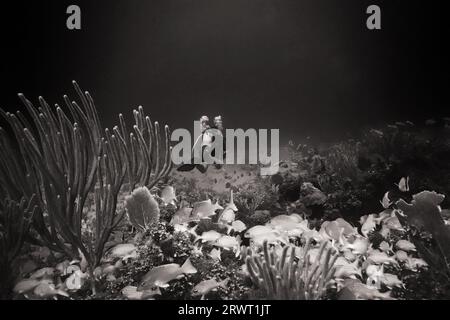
<point>142,208</point>
<point>63,157</point>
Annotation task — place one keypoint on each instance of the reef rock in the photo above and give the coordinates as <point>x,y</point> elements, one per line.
<point>311,196</point>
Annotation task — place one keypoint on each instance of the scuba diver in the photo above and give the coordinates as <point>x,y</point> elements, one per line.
<point>206,140</point>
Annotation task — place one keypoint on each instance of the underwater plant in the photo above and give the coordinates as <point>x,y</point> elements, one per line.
<point>341,162</point>
<point>142,208</point>
<point>252,196</point>
<point>63,158</point>
<point>59,160</point>
<point>283,278</point>
<point>148,159</point>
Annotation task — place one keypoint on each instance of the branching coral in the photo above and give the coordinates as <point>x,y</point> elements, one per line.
<point>283,278</point>
<point>148,159</point>
<point>60,159</point>
<point>62,156</point>
<point>110,176</point>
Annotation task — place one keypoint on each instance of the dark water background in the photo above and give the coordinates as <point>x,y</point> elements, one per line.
<point>308,67</point>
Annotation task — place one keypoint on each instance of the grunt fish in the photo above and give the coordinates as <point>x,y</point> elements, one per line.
<point>168,195</point>
<point>160,276</point>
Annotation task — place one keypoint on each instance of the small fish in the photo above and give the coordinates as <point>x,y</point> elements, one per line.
<point>109,268</point>
<point>359,246</point>
<point>43,273</point>
<point>231,204</point>
<point>209,236</point>
<point>362,219</point>
<point>282,219</point>
<point>217,206</point>
<point>258,230</point>
<point>410,123</point>
<point>298,231</point>
<point>296,217</point>
<point>350,256</point>
<point>215,254</point>
<point>415,264</point>
<point>430,122</point>
<point>385,231</point>
<point>378,257</point>
<point>383,215</point>
<point>348,228</point>
<point>403,184</point>
<point>161,275</point>
<point>386,202</point>
<point>271,238</point>
<point>197,251</point>
<point>168,195</point>
<point>391,280</point>
<point>341,261</point>
<point>227,216</point>
<point>401,256</point>
<point>393,223</point>
<point>312,234</point>
<point>123,250</point>
<point>204,287</point>
<point>377,132</point>
<point>183,215</point>
<point>348,270</point>
<point>331,230</point>
<point>72,268</point>
<point>375,275</point>
<point>385,247</point>
<point>62,267</point>
<point>289,224</point>
<point>270,169</point>
<point>47,290</point>
<point>26,285</point>
<point>368,226</point>
<point>205,209</point>
<point>131,293</point>
<point>228,242</point>
<point>180,227</point>
<point>373,270</point>
<point>355,289</point>
<point>405,245</point>
<point>238,226</point>
<point>76,280</point>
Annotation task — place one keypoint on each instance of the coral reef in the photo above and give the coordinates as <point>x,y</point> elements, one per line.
<point>283,278</point>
